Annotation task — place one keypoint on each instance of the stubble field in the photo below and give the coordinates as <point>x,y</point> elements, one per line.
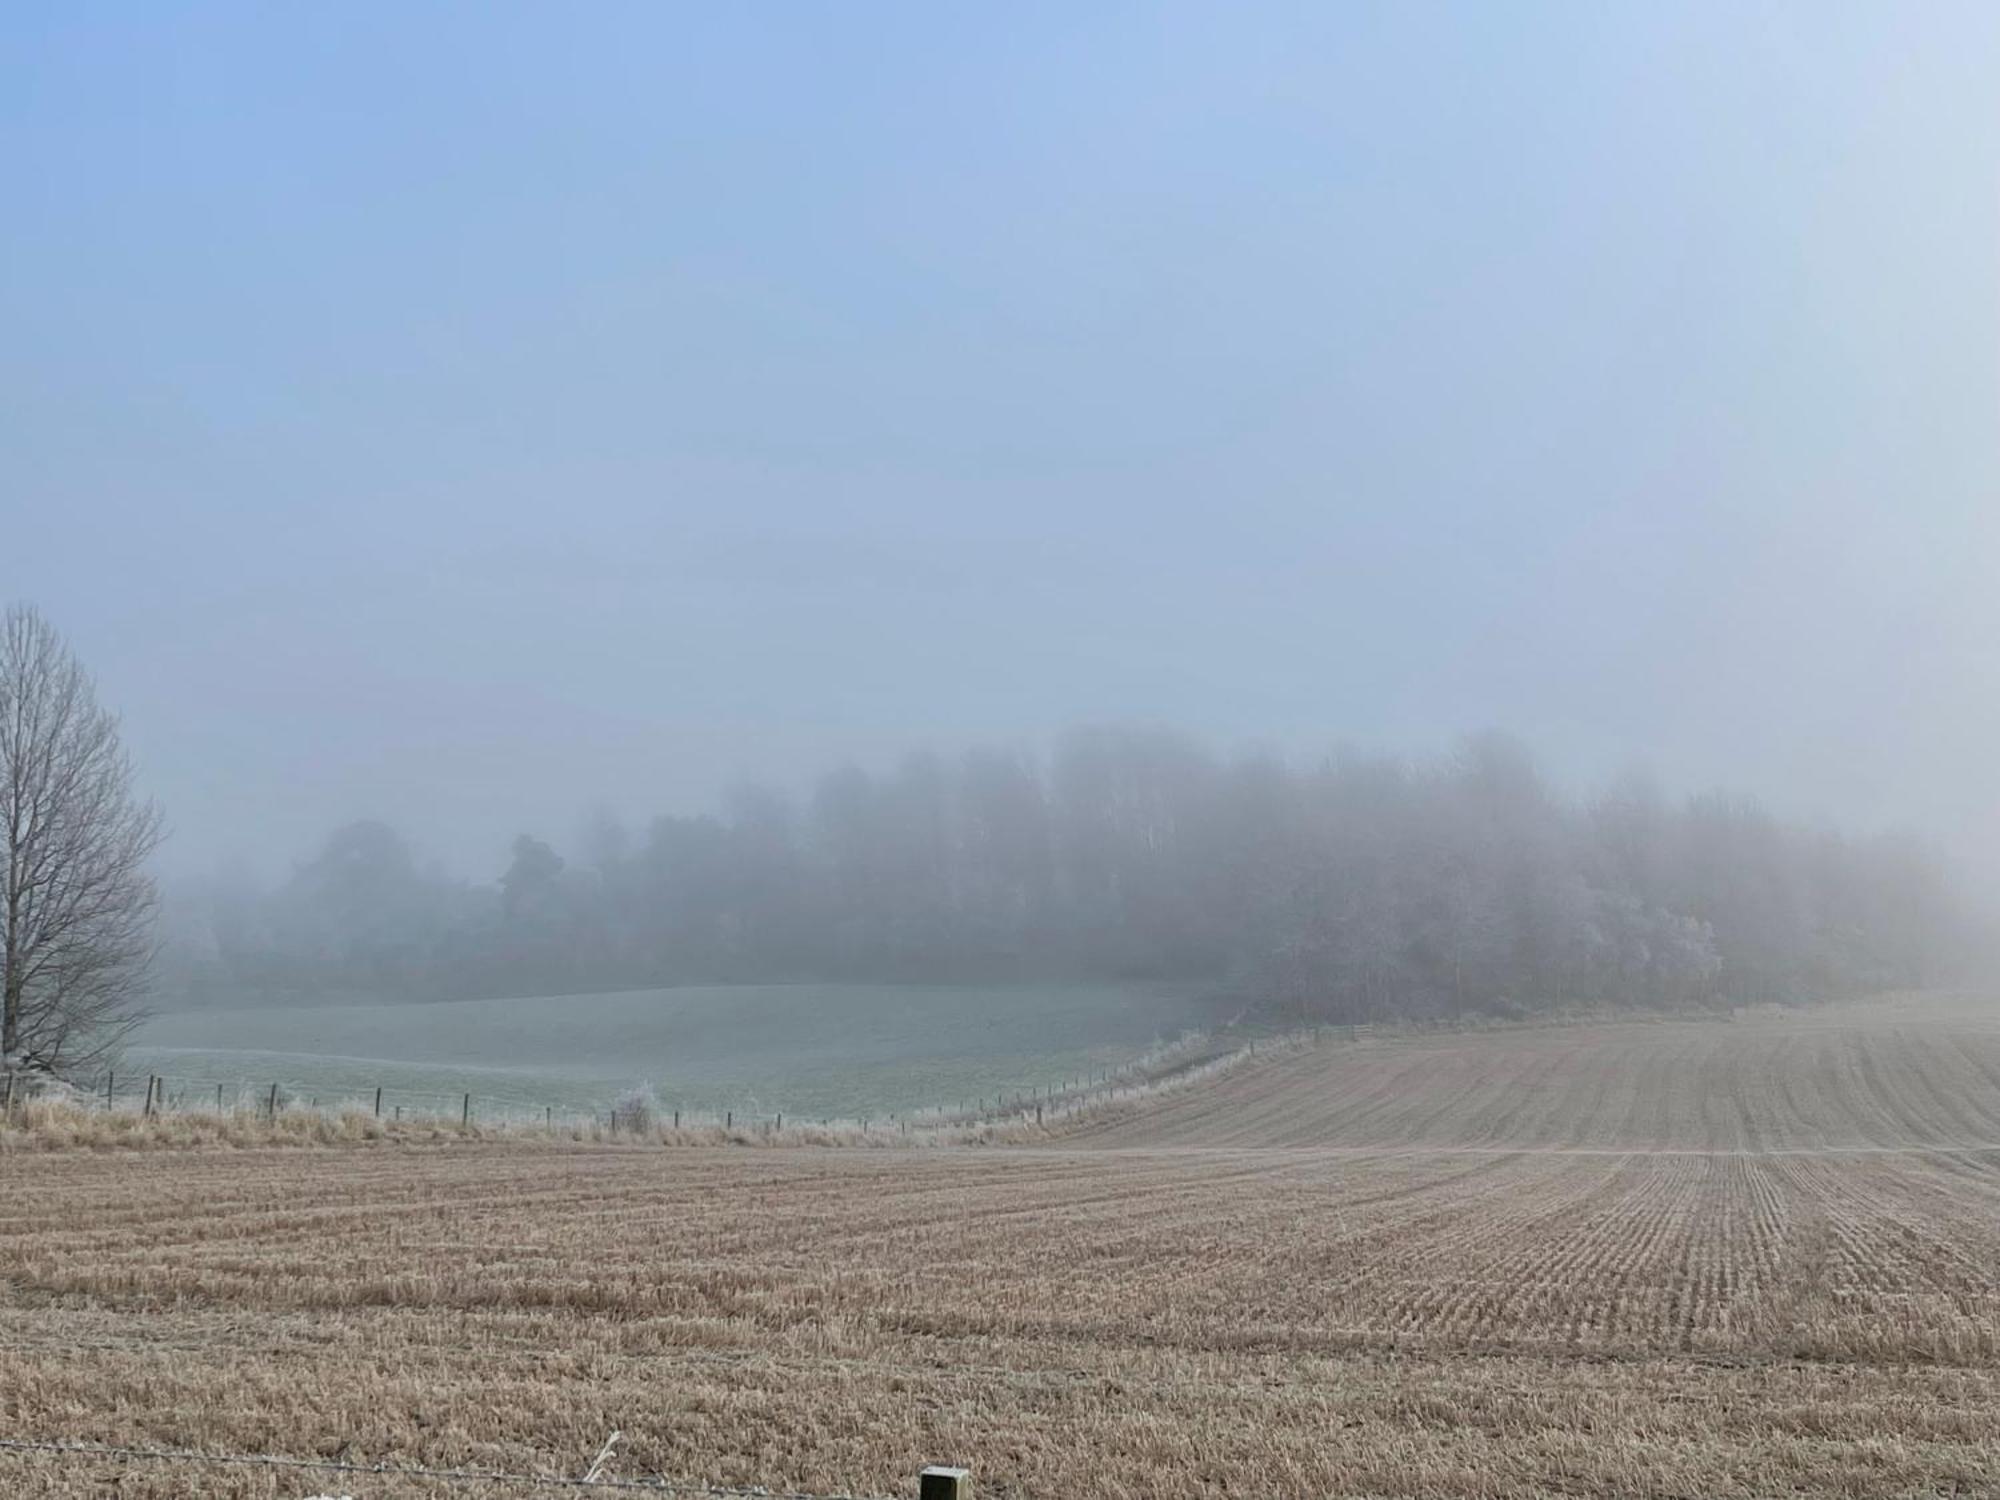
<point>1677,1259</point>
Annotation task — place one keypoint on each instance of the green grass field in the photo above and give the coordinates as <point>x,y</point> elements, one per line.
<point>835,1051</point>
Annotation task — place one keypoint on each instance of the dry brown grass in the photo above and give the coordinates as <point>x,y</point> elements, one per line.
<point>69,1123</point>
<point>52,1125</point>
<point>1683,1259</point>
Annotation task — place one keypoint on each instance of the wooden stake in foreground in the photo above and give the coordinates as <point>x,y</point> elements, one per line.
<point>937,1483</point>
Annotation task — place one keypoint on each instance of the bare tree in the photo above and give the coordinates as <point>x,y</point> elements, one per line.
<point>78,902</point>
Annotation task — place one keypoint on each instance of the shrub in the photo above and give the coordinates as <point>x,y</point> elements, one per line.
<point>636,1111</point>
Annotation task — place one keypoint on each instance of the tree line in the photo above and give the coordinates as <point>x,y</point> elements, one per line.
<point>1356,888</point>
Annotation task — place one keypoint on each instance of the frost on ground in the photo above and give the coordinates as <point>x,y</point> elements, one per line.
<point>1681,1258</point>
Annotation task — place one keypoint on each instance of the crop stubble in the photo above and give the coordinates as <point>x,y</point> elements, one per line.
<point>1673,1259</point>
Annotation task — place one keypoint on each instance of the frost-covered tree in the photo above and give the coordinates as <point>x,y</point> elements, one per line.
<point>1360,887</point>
<point>78,904</point>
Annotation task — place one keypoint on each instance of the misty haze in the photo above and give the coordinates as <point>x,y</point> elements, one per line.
<point>1049,750</point>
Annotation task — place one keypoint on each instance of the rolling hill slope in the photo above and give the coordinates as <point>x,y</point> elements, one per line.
<point>1884,1076</point>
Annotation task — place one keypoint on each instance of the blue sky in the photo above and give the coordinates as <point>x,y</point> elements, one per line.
<point>469,415</point>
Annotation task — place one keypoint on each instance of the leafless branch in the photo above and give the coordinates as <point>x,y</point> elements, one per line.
<point>78,903</point>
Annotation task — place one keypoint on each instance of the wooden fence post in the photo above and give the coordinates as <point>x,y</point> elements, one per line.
<point>9,1105</point>
<point>274,1101</point>
<point>677,1119</point>
<point>728,1119</point>
<point>938,1483</point>
<point>378,1101</point>
<point>218,1098</point>
<point>465,1118</point>
<point>110,1078</point>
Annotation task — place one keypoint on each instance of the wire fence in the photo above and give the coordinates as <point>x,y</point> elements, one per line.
<point>167,1093</point>
<point>110,1452</point>
<point>638,1113</point>
<point>170,1093</point>
<point>176,1093</point>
